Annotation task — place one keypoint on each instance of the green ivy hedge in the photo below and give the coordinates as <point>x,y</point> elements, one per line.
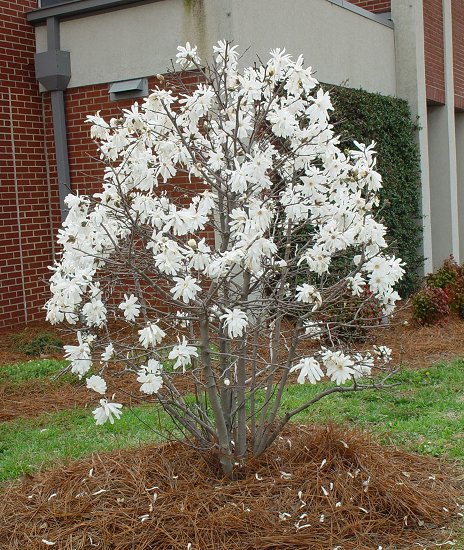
<point>366,117</point>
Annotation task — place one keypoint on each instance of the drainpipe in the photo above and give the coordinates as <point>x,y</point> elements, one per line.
<point>53,71</point>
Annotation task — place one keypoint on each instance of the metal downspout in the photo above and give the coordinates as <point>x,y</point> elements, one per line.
<point>59,123</point>
<point>61,149</point>
<point>53,71</point>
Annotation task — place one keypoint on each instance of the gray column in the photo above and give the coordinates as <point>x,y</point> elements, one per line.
<point>440,188</point>
<point>410,77</point>
<point>459,125</point>
<point>450,112</point>
<point>442,154</point>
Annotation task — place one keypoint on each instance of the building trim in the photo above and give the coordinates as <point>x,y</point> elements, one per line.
<point>79,8</point>
<point>383,19</point>
<point>59,120</point>
<point>83,7</point>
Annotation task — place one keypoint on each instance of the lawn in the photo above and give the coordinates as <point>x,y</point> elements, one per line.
<point>15,374</point>
<point>423,413</point>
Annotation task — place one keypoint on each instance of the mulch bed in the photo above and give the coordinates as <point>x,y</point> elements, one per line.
<point>36,397</point>
<point>421,347</point>
<point>33,398</point>
<point>320,487</point>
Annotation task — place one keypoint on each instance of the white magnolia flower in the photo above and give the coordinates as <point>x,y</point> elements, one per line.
<point>130,307</point>
<point>383,352</point>
<point>183,354</point>
<point>150,377</point>
<point>108,353</point>
<point>107,411</point>
<point>235,322</point>
<point>309,295</point>
<point>309,369</point>
<point>95,313</point>
<point>357,284</point>
<point>200,256</point>
<point>187,56</point>
<point>96,383</point>
<point>314,329</point>
<point>362,365</point>
<point>151,335</point>
<point>80,355</point>
<point>182,319</point>
<point>185,289</point>
<point>284,123</point>
<point>339,366</point>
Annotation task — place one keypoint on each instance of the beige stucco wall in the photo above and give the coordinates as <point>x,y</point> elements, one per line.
<point>342,46</point>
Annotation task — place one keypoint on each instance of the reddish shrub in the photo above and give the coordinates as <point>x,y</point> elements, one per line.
<point>431,306</point>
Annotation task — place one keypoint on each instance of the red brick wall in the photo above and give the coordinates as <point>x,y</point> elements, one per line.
<point>434,51</point>
<point>17,80</point>
<point>32,138</point>
<point>375,6</point>
<point>86,173</point>
<point>457,7</point>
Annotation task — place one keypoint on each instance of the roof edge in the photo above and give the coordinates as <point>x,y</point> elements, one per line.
<point>79,8</point>
<point>382,18</point>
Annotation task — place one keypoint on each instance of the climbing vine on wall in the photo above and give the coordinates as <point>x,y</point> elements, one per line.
<point>364,117</point>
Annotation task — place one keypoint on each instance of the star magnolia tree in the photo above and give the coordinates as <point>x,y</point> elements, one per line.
<point>185,265</point>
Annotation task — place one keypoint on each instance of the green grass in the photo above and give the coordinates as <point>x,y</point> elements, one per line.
<point>27,445</point>
<point>424,413</point>
<point>29,370</point>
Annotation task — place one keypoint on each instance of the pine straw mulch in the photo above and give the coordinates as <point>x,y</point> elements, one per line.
<point>319,488</point>
<point>9,352</point>
<point>421,347</point>
<point>35,397</point>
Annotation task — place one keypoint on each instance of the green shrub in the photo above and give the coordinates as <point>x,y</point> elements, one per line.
<point>38,344</point>
<point>430,306</point>
<point>364,117</point>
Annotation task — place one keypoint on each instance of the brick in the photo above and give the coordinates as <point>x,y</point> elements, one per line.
<point>434,51</point>
<point>375,6</point>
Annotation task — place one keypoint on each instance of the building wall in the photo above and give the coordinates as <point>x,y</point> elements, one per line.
<point>343,47</point>
<point>23,173</point>
<point>142,40</point>
<point>459,125</point>
<point>86,170</point>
